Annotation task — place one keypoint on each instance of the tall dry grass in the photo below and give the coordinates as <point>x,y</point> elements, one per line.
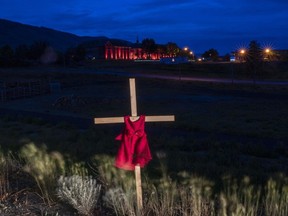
<point>194,195</point>
<point>275,199</point>
<point>44,167</point>
<point>4,172</point>
<point>189,195</point>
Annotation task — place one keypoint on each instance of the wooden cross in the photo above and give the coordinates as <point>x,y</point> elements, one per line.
<point>134,117</point>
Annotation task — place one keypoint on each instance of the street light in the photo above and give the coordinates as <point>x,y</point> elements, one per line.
<point>242,55</point>
<point>267,54</point>
<point>185,52</point>
<point>192,55</point>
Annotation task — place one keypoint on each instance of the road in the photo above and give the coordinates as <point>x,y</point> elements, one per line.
<point>214,80</point>
<point>188,78</point>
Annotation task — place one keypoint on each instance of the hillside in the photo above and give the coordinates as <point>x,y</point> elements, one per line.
<point>15,34</point>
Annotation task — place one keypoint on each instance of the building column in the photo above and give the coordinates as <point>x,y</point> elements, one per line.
<point>106,53</point>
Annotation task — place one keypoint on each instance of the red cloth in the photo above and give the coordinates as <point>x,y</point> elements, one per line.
<point>134,148</point>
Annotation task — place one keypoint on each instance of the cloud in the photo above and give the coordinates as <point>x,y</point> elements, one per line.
<point>182,21</point>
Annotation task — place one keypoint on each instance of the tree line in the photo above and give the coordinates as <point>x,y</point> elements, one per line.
<point>42,53</point>
<point>24,55</point>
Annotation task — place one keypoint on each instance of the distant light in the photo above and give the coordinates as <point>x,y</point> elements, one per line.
<point>185,48</point>
<point>267,50</point>
<point>242,51</point>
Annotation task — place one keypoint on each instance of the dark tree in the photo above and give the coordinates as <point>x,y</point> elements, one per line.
<point>172,49</point>
<point>22,53</point>
<point>211,54</point>
<point>6,56</point>
<point>227,57</point>
<point>6,52</point>
<point>37,49</point>
<point>75,55</point>
<point>254,58</point>
<point>149,46</point>
<point>162,50</point>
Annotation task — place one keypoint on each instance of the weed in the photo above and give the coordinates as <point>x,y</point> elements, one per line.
<point>239,199</point>
<point>81,192</point>
<point>4,172</point>
<point>123,203</point>
<point>111,176</point>
<point>45,168</point>
<point>276,198</point>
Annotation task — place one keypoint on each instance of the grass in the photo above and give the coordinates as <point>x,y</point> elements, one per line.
<point>226,153</point>
<point>220,189</point>
<point>5,164</point>
<point>44,168</point>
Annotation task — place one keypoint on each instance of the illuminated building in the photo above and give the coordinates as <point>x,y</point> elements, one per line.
<point>112,49</point>
<point>118,51</point>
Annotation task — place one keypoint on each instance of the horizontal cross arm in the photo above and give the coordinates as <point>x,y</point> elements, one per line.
<point>163,118</point>
<point>110,120</point>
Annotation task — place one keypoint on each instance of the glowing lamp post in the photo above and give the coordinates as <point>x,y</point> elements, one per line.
<point>267,54</point>
<point>242,55</point>
<point>188,53</point>
<point>192,55</point>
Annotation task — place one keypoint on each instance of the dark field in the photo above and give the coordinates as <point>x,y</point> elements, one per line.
<point>250,120</point>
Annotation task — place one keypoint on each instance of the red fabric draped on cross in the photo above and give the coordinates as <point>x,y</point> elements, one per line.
<point>134,148</point>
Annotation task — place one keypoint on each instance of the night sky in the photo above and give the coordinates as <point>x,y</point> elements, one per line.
<point>220,24</point>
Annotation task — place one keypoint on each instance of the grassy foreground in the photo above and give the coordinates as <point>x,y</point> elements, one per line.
<point>226,154</point>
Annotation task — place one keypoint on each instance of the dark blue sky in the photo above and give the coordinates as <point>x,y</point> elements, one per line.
<point>220,24</point>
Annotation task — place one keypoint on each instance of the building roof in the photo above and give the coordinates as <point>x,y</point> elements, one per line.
<point>115,42</point>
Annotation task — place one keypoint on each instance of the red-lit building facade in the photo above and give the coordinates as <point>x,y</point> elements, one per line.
<point>128,52</point>
<point>118,50</point>
<point>122,52</point>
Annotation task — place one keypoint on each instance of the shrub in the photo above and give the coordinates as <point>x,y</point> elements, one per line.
<point>80,192</point>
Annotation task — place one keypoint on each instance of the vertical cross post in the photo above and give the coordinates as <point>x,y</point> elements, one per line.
<point>133,99</point>
<point>138,188</point>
